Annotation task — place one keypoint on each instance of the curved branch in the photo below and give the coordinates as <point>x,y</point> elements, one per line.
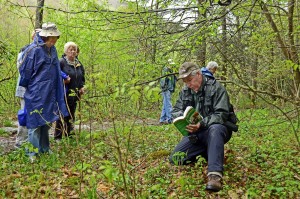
<point>153,80</point>
<point>256,91</point>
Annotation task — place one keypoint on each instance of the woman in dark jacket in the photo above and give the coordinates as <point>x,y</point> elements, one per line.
<point>70,65</point>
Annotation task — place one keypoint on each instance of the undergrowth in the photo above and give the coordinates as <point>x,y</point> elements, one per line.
<point>261,161</point>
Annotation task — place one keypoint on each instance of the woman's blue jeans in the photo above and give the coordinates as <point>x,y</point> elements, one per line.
<point>39,138</point>
<point>166,108</point>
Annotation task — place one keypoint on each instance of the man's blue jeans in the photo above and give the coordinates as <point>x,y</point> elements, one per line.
<point>210,145</point>
<point>39,138</point>
<point>166,108</point>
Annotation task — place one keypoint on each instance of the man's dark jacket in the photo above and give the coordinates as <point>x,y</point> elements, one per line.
<point>211,101</point>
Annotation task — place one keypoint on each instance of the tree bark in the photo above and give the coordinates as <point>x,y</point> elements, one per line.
<point>289,51</point>
<point>224,44</point>
<point>293,51</point>
<point>201,49</point>
<point>39,14</point>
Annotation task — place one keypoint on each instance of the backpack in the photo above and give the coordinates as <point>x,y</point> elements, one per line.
<point>232,121</point>
<point>21,63</point>
<point>168,82</point>
<point>22,115</point>
<point>20,55</point>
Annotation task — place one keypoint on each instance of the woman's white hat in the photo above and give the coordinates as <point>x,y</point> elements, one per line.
<point>49,29</point>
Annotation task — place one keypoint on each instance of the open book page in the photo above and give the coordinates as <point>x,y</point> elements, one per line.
<point>190,116</point>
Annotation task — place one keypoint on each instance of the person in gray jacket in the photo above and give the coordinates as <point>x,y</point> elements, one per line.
<point>167,86</point>
<point>212,66</point>
<point>210,69</point>
<point>208,137</point>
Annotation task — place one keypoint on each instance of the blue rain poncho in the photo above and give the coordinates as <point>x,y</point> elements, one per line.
<point>41,76</point>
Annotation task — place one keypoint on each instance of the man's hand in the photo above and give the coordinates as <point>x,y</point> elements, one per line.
<point>81,91</point>
<point>192,128</point>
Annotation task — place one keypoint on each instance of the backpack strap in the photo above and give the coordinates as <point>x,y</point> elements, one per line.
<point>25,50</point>
<point>22,67</point>
<point>208,93</point>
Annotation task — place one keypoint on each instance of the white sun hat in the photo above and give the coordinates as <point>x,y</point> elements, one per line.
<point>49,29</point>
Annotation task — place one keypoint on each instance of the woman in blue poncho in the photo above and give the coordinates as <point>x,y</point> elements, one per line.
<point>44,97</point>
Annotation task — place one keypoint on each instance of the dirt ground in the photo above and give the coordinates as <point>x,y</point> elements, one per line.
<point>8,136</point>
<point>7,144</point>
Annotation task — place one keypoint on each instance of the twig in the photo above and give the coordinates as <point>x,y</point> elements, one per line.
<point>153,80</point>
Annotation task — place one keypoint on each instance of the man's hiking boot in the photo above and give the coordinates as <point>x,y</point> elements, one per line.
<point>214,183</point>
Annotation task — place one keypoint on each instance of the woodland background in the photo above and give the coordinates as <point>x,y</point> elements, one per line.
<point>124,153</point>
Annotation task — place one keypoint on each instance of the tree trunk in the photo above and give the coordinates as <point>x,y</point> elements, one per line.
<point>154,42</point>
<point>253,74</point>
<point>201,51</point>
<point>224,44</point>
<point>293,51</point>
<point>289,51</point>
<point>39,14</point>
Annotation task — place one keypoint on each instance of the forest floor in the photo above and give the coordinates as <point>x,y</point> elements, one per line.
<point>7,143</point>
<point>129,158</point>
<point>8,135</point>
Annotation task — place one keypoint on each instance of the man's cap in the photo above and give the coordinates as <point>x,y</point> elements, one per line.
<point>49,29</point>
<point>186,69</point>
